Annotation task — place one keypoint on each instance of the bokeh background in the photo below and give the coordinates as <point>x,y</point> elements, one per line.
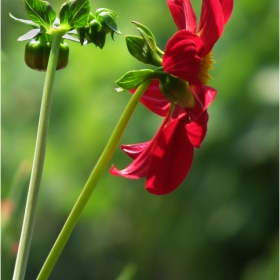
<point>221,223</point>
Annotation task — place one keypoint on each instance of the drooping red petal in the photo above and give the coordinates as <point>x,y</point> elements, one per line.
<point>197,129</point>
<point>211,24</point>
<point>227,6</point>
<point>134,150</point>
<point>154,100</point>
<point>183,14</point>
<point>171,158</point>
<point>204,96</point>
<point>181,57</point>
<point>137,169</point>
<point>139,166</point>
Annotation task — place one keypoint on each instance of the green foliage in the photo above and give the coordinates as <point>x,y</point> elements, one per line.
<point>75,13</point>
<point>144,48</point>
<point>133,79</point>
<point>222,223</point>
<point>40,12</point>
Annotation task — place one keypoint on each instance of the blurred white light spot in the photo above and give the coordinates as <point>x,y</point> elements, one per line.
<point>264,86</point>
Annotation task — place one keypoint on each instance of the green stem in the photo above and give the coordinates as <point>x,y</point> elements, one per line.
<point>90,184</point>
<point>38,162</point>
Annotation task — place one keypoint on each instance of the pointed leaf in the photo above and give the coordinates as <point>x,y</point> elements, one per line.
<point>40,12</point>
<point>75,13</point>
<point>149,40</point>
<point>101,10</point>
<point>71,38</point>
<point>29,35</point>
<point>25,21</point>
<point>110,21</point>
<point>139,49</point>
<point>133,79</point>
<point>145,29</point>
<point>64,13</point>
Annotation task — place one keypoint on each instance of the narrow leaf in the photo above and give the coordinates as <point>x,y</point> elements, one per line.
<point>25,21</point>
<point>133,79</point>
<point>29,35</point>
<point>71,38</point>
<point>40,12</point>
<point>149,40</point>
<point>145,29</point>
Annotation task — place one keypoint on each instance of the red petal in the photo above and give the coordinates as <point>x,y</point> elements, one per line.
<point>227,6</point>
<point>181,57</point>
<point>137,169</point>
<point>154,100</point>
<point>135,150</point>
<point>171,158</point>
<point>139,166</point>
<point>183,14</point>
<point>211,24</point>
<point>204,96</point>
<point>197,130</point>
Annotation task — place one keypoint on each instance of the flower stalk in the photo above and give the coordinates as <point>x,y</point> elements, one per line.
<point>38,162</point>
<point>91,183</point>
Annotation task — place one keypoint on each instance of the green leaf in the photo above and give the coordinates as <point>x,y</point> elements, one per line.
<point>110,21</point>
<point>25,21</point>
<point>139,49</point>
<point>145,29</point>
<point>75,13</point>
<point>64,13</point>
<point>102,10</point>
<point>133,79</point>
<point>40,12</point>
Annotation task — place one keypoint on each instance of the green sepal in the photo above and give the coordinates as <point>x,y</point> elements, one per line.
<point>67,36</point>
<point>144,48</point>
<point>96,34</point>
<point>75,13</point>
<point>40,12</point>
<point>25,21</point>
<point>148,36</point>
<point>133,79</point>
<point>145,29</point>
<point>30,35</point>
<point>108,18</point>
<point>82,35</point>
<point>138,48</point>
<point>149,41</point>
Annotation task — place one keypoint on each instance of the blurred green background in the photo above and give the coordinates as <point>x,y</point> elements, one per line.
<point>222,223</point>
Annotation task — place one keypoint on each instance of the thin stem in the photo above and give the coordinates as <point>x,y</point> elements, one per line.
<point>90,184</point>
<point>38,162</point>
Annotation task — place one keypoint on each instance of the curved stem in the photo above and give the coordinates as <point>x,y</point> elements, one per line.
<point>91,183</point>
<point>38,162</point>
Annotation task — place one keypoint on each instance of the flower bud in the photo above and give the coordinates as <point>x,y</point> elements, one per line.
<point>96,33</point>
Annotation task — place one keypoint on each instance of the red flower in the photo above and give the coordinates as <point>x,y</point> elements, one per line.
<point>188,53</point>
<point>166,159</point>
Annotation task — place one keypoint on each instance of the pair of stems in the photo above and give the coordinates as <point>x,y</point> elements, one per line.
<point>37,169</point>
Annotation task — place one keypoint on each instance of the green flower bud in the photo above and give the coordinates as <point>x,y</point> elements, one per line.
<point>37,52</point>
<point>96,34</point>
